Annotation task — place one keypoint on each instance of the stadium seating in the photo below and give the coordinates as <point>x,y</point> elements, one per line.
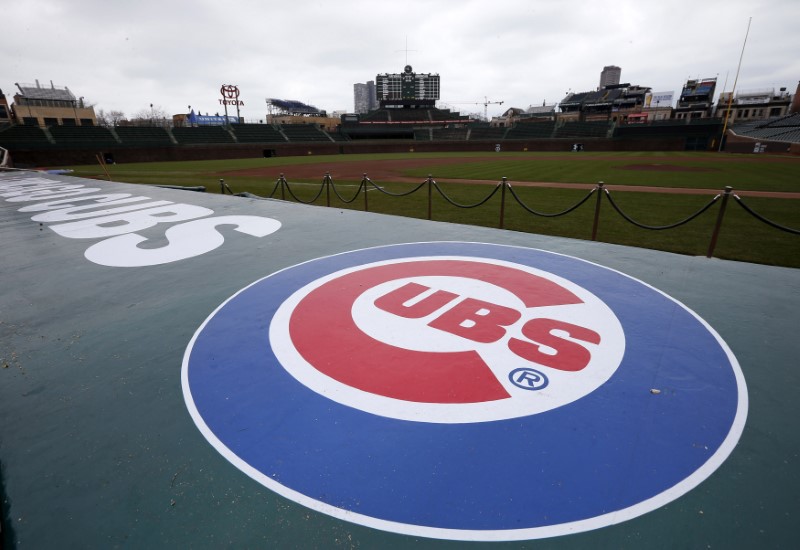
<point>257,133</point>
<point>83,136</point>
<point>531,130</point>
<point>375,116</point>
<point>449,134</point>
<point>786,128</point>
<point>484,131</point>
<point>582,129</point>
<point>19,137</point>
<point>143,136</point>
<point>303,132</point>
<point>202,135</point>
<point>422,134</point>
<point>409,115</point>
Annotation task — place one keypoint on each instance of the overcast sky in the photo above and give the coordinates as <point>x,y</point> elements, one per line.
<point>124,54</point>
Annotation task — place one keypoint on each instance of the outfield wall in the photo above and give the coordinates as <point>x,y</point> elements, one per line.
<point>743,144</point>
<point>67,157</point>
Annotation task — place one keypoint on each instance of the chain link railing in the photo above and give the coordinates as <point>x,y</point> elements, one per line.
<point>599,190</point>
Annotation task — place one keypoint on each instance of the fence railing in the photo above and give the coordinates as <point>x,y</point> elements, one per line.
<point>283,188</point>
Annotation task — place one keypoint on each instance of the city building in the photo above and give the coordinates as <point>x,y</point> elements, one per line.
<point>696,99</point>
<point>753,105</point>
<point>36,105</point>
<point>610,76</point>
<point>364,97</point>
<point>615,102</point>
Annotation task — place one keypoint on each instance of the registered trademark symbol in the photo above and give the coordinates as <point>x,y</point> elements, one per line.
<point>528,379</point>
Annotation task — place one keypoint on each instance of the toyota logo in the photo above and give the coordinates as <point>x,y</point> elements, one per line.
<point>229,91</point>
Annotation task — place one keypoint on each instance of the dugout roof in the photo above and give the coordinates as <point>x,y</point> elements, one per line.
<point>102,437</point>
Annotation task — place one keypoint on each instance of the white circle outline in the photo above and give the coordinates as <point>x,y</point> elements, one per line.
<point>494,535</point>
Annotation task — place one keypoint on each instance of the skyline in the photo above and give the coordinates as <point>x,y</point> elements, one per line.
<point>521,53</point>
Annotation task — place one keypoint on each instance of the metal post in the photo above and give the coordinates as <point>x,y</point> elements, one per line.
<point>503,202</point>
<point>600,189</point>
<point>430,194</point>
<point>328,188</point>
<point>283,193</point>
<point>714,236</point>
<point>365,183</point>
<point>222,186</point>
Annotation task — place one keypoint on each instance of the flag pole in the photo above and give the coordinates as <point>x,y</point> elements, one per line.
<point>735,80</point>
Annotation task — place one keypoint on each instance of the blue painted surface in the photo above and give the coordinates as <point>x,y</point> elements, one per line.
<point>606,452</point>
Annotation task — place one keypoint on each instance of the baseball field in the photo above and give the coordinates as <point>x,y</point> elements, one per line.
<point>644,194</point>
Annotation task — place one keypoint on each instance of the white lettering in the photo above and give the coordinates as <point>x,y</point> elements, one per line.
<point>90,215</point>
<point>87,211</point>
<point>186,240</point>
<point>109,226</point>
<point>69,203</point>
<point>53,194</point>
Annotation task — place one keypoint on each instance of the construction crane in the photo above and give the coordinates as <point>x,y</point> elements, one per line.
<point>485,104</point>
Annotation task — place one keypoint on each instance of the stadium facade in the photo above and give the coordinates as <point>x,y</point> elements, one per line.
<point>619,117</point>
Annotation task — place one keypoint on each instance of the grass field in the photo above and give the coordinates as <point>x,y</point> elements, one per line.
<point>742,237</point>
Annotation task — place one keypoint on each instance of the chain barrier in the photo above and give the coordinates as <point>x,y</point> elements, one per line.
<point>407,193</point>
<point>335,192</point>
<point>761,218</point>
<point>659,227</point>
<point>544,215</point>
<point>366,183</point>
<point>285,185</point>
<point>454,203</point>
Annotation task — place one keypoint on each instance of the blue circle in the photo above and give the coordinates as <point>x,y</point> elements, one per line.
<point>619,452</point>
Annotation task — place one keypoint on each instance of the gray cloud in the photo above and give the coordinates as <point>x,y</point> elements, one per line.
<point>124,55</point>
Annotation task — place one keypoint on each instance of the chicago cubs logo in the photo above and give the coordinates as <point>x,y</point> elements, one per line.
<point>447,339</point>
<point>465,391</point>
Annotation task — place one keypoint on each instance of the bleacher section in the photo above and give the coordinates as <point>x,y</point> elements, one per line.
<point>79,144</point>
<point>375,116</point>
<point>143,136</point>
<point>20,137</point>
<point>202,135</point>
<point>446,114</point>
<point>449,134</point>
<point>785,129</point>
<point>257,133</point>
<point>484,131</point>
<point>531,130</point>
<point>409,115</point>
<point>83,137</point>
<point>422,134</point>
<point>582,130</point>
<point>303,132</point>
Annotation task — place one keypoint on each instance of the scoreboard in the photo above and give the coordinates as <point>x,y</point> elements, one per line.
<point>407,89</point>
